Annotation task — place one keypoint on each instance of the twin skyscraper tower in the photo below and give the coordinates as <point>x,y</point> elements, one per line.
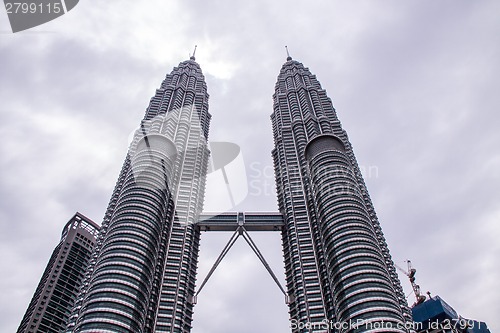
<point>142,275</point>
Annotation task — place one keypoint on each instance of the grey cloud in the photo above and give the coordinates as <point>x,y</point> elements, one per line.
<point>414,84</point>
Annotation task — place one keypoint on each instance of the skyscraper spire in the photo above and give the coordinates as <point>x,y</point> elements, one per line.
<point>288,58</point>
<point>194,53</point>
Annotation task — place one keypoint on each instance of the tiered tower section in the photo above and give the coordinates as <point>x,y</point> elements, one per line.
<point>144,268</point>
<point>337,263</point>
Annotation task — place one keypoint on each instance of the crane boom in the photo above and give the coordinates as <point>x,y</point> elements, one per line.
<point>410,273</point>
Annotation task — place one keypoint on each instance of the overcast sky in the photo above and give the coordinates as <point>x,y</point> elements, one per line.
<point>415,84</point>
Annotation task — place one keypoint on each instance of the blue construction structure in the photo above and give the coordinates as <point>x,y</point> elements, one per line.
<point>435,315</point>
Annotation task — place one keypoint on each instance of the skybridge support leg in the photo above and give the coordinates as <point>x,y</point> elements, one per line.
<point>241,231</point>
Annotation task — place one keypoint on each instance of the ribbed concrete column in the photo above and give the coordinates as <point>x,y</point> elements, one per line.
<point>120,287</point>
<point>363,295</point>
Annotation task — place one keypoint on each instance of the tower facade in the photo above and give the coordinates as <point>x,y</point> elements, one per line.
<point>143,271</point>
<point>337,263</point>
<point>141,277</point>
<point>55,295</point>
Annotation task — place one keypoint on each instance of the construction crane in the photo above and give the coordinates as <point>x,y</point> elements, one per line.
<point>410,273</point>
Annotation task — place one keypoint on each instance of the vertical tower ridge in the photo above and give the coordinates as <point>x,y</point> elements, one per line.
<point>337,264</point>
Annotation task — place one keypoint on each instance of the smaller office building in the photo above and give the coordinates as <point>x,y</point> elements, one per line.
<point>51,305</point>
